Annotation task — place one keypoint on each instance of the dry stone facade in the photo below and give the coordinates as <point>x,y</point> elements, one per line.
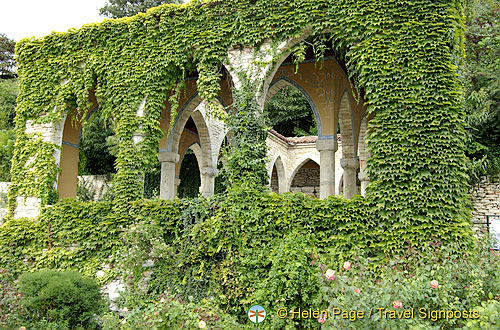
<point>485,198</point>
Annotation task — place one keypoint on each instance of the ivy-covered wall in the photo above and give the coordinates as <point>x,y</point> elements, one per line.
<point>403,57</point>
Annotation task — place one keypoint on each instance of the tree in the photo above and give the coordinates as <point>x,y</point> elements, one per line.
<point>96,153</point>
<point>123,8</point>
<point>7,63</point>
<point>483,87</point>
<point>290,114</point>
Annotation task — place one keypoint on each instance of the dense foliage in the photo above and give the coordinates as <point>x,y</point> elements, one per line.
<point>123,8</point>
<point>65,298</point>
<point>483,87</point>
<point>417,169</point>
<point>189,174</point>
<point>290,114</point>
<point>8,94</point>
<point>189,260</point>
<point>7,62</point>
<point>97,148</point>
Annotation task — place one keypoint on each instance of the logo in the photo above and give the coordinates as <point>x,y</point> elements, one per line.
<point>257,314</point>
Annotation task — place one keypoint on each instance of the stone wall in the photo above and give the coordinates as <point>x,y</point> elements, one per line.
<point>306,180</point>
<point>485,198</point>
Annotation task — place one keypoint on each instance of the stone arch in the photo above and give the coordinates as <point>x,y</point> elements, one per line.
<point>346,121</point>
<point>311,182</point>
<point>363,154</point>
<point>69,140</point>
<point>281,83</point>
<point>297,168</point>
<point>281,175</point>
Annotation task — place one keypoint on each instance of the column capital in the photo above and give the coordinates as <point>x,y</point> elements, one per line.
<point>209,171</point>
<point>168,156</point>
<point>327,144</point>
<point>349,163</point>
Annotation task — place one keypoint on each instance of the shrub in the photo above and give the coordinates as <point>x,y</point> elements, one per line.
<point>61,297</point>
<point>168,312</point>
<point>424,283</point>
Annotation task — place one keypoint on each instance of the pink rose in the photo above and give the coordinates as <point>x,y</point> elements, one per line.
<point>347,265</point>
<point>357,290</point>
<point>397,304</point>
<point>330,274</point>
<point>321,320</point>
<point>434,284</point>
<point>156,313</point>
<point>22,328</point>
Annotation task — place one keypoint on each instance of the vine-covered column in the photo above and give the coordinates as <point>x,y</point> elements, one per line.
<point>34,170</point>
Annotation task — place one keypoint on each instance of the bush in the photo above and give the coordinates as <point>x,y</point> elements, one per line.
<point>428,282</point>
<point>61,297</point>
<point>168,312</point>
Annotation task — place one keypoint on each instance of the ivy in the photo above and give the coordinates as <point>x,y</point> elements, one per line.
<point>403,57</point>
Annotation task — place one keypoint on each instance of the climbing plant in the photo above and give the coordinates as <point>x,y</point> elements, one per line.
<point>404,57</point>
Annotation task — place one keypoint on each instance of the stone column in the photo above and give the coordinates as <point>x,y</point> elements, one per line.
<point>349,165</point>
<point>168,188</point>
<point>326,150</point>
<point>363,176</point>
<point>208,181</point>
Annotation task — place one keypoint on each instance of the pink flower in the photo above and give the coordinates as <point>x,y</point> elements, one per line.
<point>156,313</point>
<point>397,304</point>
<point>347,265</point>
<point>202,325</point>
<point>22,328</point>
<point>321,320</point>
<point>330,274</point>
<point>434,284</point>
<point>357,290</point>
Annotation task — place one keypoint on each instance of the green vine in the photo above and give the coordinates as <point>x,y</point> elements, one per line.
<point>402,56</point>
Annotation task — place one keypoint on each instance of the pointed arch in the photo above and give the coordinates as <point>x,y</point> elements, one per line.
<point>296,170</point>
<point>283,82</point>
<point>280,171</point>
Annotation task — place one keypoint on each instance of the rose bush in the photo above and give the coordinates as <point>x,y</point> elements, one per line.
<point>438,279</point>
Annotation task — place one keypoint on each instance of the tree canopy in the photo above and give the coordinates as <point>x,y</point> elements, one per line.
<point>482,78</point>
<point>123,8</point>
<point>7,63</point>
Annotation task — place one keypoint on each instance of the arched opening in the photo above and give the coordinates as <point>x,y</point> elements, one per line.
<point>306,178</point>
<point>189,173</point>
<point>349,162</point>
<point>290,111</point>
<point>277,177</point>
<point>87,157</point>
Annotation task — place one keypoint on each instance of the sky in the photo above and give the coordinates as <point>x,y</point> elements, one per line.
<point>26,18</point>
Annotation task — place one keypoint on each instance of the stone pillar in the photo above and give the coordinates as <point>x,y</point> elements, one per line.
<point>326,150</point>
<point>208,181</point>
<point>363,176</point>
<point>349,165</point>
<point>168,188</point>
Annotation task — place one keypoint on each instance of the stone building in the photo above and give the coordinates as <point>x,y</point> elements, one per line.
<point>320,166</point>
